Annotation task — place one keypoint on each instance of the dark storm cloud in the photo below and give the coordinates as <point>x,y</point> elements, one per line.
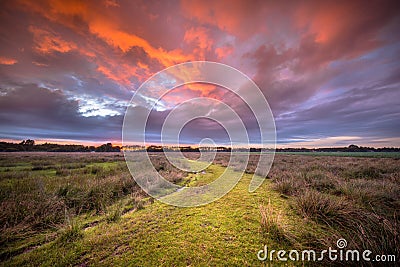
<point>365,112</point>
<point>24,112</point>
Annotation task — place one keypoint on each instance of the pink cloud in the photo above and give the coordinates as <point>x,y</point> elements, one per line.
<point>8,61</point>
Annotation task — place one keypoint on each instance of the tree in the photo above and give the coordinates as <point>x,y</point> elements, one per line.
<point>28,142</point>
<point>108,148</point>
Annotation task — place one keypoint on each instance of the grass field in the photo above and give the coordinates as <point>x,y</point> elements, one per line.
<point>85,209</point>
<point>395,155</point>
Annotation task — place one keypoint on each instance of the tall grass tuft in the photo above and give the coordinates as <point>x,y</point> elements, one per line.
<point>272,225</point>
<point>71,233</point>
<point>364,229</point>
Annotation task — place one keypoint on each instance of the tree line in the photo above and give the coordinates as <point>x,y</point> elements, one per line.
<point>350,148</point>
<point>29,145</point>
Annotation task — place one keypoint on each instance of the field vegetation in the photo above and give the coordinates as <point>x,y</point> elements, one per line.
<point>85,209</point>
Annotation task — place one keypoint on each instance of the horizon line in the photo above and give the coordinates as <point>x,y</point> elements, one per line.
<point>119,143</point>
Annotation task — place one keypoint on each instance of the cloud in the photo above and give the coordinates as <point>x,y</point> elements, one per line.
<point>24,113</point>
<point>224,51</point>
<point>8,61</point>
<point>48,42</point>
<point>107,30</point>
<point>328,69</point>
<point>199,36</point>
<point>240,18</point>
<point>364,112</point>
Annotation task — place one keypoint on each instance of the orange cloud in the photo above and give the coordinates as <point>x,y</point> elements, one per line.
<point>124,41</point>
<point>68,12</point>
<point>330,21</point>
<point>332,31</point>
<point>48,42</point>
<point>203,88</point>
<point>122,72</point>
<point>143,66</point>
<point>111,3</point>
<point>237,17</point>
<point>323,21</point>
<point>90,21</point>
<point>190,91</point>
<point>110,73</point>
<point>200,37</point>
<point>39,64</point>
<point>7,61</point>
<point>223,52</point>
<point>204,11</point>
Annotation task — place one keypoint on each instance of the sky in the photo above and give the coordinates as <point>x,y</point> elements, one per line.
<point>330,70</point>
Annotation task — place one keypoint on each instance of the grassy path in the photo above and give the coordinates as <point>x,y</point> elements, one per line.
<point>226,232</point>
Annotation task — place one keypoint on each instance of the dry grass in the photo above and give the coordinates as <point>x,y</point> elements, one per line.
<point>354,198</point>
<point>272,225</point>
<point>41,192</point>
